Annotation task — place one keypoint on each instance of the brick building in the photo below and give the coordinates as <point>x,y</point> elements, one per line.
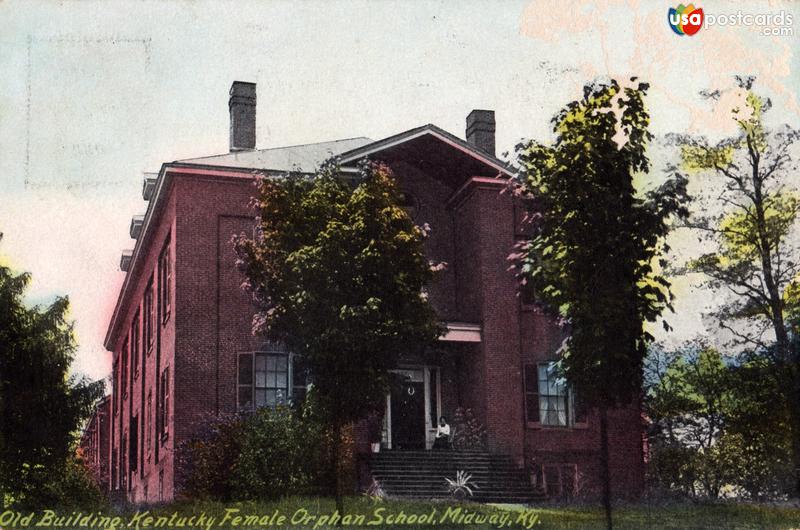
<point>183,349</point>
<point>95,444</point>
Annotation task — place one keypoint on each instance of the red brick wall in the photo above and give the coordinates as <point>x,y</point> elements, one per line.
<point>211,323</point>
<point>149,469</point>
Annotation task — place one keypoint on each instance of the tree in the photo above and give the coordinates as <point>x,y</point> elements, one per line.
<point>755,241</point>
<point>41,407</point>
<point>688,398</point>
<point>338,273</point>
<point>591,259</point>
<point>708,429</point>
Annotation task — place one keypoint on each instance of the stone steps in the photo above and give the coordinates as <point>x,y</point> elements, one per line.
<point>421,475</point>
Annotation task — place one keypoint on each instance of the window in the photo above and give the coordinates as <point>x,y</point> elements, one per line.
<point>164,282</point>
<point>123,475</point>
<point>114,470</point>
<point>135,347</point>
<point>134,444</point>
<point>149,316</point>
<point>552,396</point>
<point>271,377</point>
<point>149,423</point>
<point>115,388</point>
<point>560,480</point>
<point>123,380</point>
<point>161,485</point>
<point>548,399</point>
<point>162,408</point>
<point>527,293</point>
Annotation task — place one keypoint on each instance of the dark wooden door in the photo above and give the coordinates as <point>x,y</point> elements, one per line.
<point>408,415</point>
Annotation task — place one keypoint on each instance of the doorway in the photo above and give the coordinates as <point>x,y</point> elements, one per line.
<point>412,408</point>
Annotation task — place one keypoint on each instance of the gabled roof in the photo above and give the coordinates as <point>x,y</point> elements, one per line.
<point>304,158</point>
<point>429,131</point>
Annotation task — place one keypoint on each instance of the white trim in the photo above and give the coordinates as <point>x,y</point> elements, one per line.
<point>388,420</point>
<point>426,376</point>
<point>435,134</point>
<point>461,332</point>
<point>430,430</point>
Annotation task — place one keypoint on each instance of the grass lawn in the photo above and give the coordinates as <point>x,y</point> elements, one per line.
<point>363,512</point>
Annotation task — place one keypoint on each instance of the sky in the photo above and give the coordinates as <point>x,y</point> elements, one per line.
<point>93,94</point>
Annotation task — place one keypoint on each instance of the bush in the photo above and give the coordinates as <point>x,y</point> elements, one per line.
<point>263,455</point>
<point>468,433</point>
<point>280,454</point>
<point>206,463</point>
<point>68,486</point>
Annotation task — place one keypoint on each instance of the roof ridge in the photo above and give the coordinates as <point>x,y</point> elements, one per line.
<point>278,148</point>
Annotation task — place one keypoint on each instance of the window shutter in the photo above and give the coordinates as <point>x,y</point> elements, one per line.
<point>532,393</point>
<point>579,404</point>
<point>133,446</point>
<point>244,398</point>
<point>165,386</point>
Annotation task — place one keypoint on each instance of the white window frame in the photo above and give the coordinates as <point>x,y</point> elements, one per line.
<point>269,349</point>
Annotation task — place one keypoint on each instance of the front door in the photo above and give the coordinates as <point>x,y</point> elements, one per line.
<point>408,411</point>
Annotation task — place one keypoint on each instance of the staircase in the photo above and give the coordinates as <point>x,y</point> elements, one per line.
<point>421,475</point>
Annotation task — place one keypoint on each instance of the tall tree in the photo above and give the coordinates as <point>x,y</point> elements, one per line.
<point>755,239</point>
<point>339,273</point>
<point>41,406</point>
<point>592,258</point>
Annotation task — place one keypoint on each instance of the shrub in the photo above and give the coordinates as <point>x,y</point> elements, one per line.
<point>262,455</point>
<point>70,485</point>
<point>206,462</point>
<point>468,433</point>
<point>279,455</point>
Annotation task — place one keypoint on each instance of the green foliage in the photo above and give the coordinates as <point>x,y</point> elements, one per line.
<point>41,407</point>
<point>461,486</point>
<point>282,453</point>
<point>749,221</point>
<point>338,273</point>
<point>592,259</point>
<point>268,454</point>
<point>468,433</point>
<point>206,463</point>
<point>718,428</point>
<point>754,240</point>
<point>71,485</point>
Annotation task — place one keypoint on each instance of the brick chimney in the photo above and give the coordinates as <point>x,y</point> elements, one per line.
<point>480,130</point>
<point>242,107</point>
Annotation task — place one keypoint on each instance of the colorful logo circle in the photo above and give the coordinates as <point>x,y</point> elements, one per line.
<point>685,20</point>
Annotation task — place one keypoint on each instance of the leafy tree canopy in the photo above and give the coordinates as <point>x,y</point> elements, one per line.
<point>41,406</point>
<point>749,221</point>
<point>754,243</point>
<point>593,256</point>
<point>339,273</point>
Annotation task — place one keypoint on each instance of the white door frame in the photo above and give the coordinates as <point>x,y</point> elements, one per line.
<point>428,372</point>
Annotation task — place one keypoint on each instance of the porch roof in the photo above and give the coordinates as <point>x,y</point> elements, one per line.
<point>462,332</point>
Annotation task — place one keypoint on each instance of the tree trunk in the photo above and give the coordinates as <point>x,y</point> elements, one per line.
<point>337,476</point>
<point>794,413</point>
<point>785,352</point>
<point>605,470</point>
